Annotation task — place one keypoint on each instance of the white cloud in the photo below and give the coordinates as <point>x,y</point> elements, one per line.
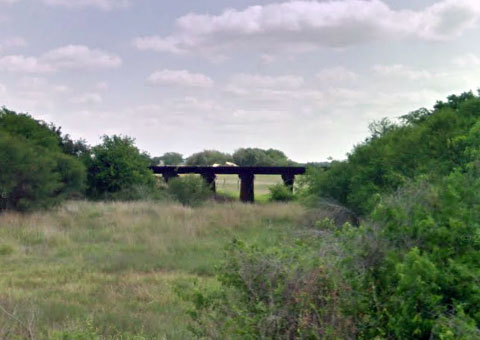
<point>81,57</point>
<point>244,84</point>
<point>63,58</point>
<point>102,86</point>
<point>467,60</point>
<point>401,71</point>
<point>336,75</point>
<point>87,99</point>
<point>20,63</point>
<point>100,4</point>
<point>180,78</point>
<point>305,25</point>
<point>12,42</point>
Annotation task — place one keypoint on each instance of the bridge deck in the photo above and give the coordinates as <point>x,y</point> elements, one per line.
<point>229,170</point>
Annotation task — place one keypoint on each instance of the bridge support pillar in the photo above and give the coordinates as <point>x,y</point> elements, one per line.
<point>288,180</point>
<point>210,179</point>
<point>168,176</point>
<point>247,187</point>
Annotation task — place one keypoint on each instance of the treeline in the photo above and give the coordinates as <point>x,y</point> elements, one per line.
<point>241,157</point>
<point>40,166</point>
<point>409,271</point>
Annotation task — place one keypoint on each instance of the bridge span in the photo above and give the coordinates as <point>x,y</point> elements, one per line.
<point>246,174</point>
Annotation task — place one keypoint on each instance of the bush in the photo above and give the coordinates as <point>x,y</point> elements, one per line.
<point>34,172</point>
<point>428,143</point>
<point>282,292</point>
<point>281,193</point>
<point>117,166</point>
<point>189,190</point>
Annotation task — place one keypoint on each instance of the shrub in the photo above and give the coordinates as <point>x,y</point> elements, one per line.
<point>426,143</point>
<point>34,172</point>
<point>117,166</point>
<point>281,292</point>
<point>281,193</point>
<point>189,190</point>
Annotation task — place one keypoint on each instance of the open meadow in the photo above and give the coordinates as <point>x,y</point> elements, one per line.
<point>113,267</point>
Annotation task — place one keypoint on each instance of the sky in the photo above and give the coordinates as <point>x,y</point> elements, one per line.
<point>305,77</point>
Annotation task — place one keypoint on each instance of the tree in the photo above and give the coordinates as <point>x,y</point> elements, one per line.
<point>260,157</point>
<point>208,158</point>
<point>169,158</point>
<point>116,165</point>
<point>34,171</point>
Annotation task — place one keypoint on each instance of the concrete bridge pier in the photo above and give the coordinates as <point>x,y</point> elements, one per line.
<point>288,180</point>
<point>210,180</point>
<point>247,187</point>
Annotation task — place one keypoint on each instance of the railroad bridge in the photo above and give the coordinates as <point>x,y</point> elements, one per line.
<point>246,174</point>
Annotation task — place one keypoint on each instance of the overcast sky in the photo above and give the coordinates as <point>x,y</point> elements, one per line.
<point>306,77</point>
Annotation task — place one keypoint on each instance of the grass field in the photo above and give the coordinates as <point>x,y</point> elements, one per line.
<point>114,266</point>
<point>229,185</point>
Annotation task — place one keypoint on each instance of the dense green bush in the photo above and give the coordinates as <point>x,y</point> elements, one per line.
<point>282,292</point>
<point>189,190</point>
<point>426,143</point>
<point>280,193</point>
<point>117,166</point>
<point>34,170</point>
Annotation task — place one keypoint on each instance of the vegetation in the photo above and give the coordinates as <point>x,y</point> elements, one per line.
<point>189,190</point>
<point>426,143</point>
<point>410,271</point>
<point>34,170</point>
<point>387,246</point>
<point>116,166</point>
<point>169,158</point>
<point>259,157</point>
<point>281,193</point>
<point>208,158</point>
<point>241,157</point>
<point>89,270</point>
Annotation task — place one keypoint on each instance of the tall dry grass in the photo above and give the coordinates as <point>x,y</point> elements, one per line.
<point>116,264</point>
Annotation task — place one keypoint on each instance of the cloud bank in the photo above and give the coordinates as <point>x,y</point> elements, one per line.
<point>307,25</point>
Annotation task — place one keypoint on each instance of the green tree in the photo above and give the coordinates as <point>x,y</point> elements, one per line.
<point>428,143</point>
<point>169,158</point>
<point>208,158</point>
<point>260,157</point>
<point>34,170</point>
<point>117,165</point>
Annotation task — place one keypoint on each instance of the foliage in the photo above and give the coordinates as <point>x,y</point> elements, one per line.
<point>116,264</point>
<point>260,157</point>
<point>412,265</point>
<point>426,143</point>
<point>34,171</point>
<point>208,158</point>
<point>116,166</point>
<point>168,158</point>
<point>281,292</point>
<point>189,190</point>
<point>281,193</point>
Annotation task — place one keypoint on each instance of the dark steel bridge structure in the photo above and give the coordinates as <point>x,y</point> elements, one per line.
<point>246,174</point>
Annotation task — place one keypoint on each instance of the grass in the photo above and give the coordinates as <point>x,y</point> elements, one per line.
<point>115,266</point>
<point>229,185</point>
